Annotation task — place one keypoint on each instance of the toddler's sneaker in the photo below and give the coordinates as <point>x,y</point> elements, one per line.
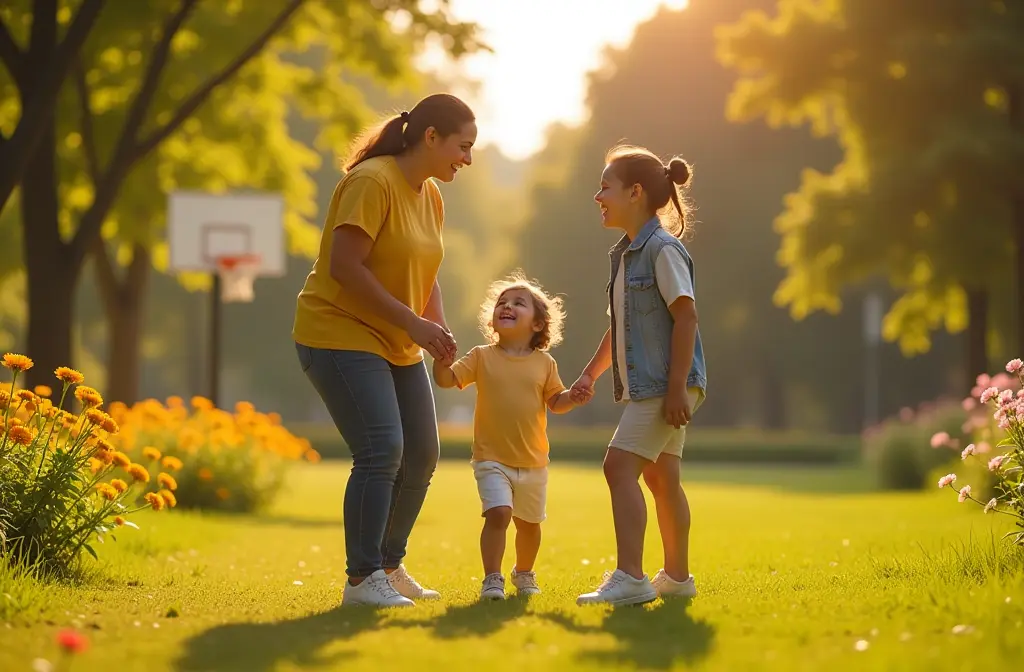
<point>406,586</point>
<point>525,583</point>
<point>669,587</point>
<point>376,591</point>
<point>493,588</point>
<point>620,589</point>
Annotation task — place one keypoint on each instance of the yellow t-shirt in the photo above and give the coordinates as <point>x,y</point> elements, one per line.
<point>511,418</point>
<point>407,250</point>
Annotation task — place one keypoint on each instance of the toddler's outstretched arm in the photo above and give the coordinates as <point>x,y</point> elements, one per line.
<point>563,402</point>
<point>443,374</point>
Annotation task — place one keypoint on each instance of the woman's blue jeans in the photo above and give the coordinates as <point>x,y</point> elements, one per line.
<point>386,415</point>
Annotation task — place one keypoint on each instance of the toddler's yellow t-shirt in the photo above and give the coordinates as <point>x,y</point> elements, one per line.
<point>511,417</point>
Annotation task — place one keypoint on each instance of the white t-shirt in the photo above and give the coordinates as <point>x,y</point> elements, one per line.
<point>672,275</point>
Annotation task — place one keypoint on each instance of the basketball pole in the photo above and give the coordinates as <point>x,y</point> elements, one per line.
<point>214,353</point>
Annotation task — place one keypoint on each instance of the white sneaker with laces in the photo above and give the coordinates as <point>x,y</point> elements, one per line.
<point>525,583</point>
<point>620,589</point>
<point>406,586</point>
<point>493,587</point>
<point>376,591</point>
<point>669,587</point>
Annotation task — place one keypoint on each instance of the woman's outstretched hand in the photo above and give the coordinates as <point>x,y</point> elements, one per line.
<point>435,339</point>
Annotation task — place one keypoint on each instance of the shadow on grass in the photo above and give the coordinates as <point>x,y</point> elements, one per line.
<point>262,647</point>
<point>477,619</point>
<point>658,637</point>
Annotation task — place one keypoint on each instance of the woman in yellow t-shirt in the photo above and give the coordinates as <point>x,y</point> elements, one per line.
<point>368,309</point>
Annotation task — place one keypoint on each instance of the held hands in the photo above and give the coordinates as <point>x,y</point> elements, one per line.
<point>435,339</point>
<point>677,408</point>
<point>582,391</point>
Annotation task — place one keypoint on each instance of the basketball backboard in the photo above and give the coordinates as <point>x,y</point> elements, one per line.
<point>202,227</point>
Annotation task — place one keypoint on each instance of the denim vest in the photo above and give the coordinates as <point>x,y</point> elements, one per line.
<point>647,323</point>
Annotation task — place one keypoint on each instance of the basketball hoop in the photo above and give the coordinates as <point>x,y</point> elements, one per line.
<point>237,274</point>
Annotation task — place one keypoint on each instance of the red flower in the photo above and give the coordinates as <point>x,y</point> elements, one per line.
<point>72,641</point>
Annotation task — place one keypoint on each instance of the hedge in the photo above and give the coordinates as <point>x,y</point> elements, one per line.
<point>587,444</point>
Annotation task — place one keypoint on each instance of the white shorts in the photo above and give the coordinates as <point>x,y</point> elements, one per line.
<point>642,430</point>
<point>523,490</point>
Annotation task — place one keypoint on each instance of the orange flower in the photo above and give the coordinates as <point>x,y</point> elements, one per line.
<point>202,404</point>
<point>175,402</point>
<point>5,399</point>
<point>119,521</point>
<point>88,396</point>
<point>26,395</point>
<point>16,362</point>
<point>169,498</point>
<point>155,500</point>
<point>107,491</point>
<point>205,474</point>
<point>167,481</point>
<point>151,453</point>
<point>312,456</point>
<point>68,376</point>
<point>223,494</point>
<point>20,435</point>
<point>95,416</point>
<point>44,391</point>
<point>244,408</point>
<point>95,465</point>
<point>110,425</point>
<point>138,473</point>
<point>121,460</point>
<point>172,463</point>
<point>119,485</point>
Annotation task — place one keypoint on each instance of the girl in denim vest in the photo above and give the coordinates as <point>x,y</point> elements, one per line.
<point>654,349</point>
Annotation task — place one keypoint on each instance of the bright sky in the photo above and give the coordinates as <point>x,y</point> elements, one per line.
<point>543,50</point>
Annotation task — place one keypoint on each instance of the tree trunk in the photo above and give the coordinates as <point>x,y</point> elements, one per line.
<point>122,301</point>
<point>51,278</point>
<point>977,332</point>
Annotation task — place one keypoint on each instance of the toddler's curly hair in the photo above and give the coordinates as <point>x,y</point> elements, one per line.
<point>549,310</point>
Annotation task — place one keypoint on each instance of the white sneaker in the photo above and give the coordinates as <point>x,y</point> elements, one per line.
<point>406,586</point>
<point>525,583</point>
<point>620,589</point>
<point>669,587</point>
<point>493,588</point>
<point>376,591</point>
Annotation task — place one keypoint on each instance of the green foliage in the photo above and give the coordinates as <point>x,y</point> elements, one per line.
<point>900,449</point>
<point>917,100</point>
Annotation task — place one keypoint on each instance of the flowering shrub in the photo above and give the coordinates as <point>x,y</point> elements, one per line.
<point>62,482</point>
<point>1005,463</point>
<point>212,459</point>
<point>905,451</point>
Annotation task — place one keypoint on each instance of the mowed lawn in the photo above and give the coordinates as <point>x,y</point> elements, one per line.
<point>792,576</point>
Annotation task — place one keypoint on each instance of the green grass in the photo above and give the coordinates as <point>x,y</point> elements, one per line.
<point>794,567</point>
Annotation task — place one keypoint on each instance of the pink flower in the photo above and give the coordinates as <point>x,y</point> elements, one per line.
<point>940,439</point>
<point>976,391</point>
<point>906,414</point>
<point>1020,393</point>
<point>1005,396</point>
<point>983,380</point>
<point>968,451</point>
<point>996,463</point>
<point>982,448</point>
<point>1014,366</point>
<point>989,394</point>
<point>1002,380</point>
<point>1004,423</point>
<point>947,480</point>
<point>969,404</point>
<point>965,493</point>
<point>991,505</point>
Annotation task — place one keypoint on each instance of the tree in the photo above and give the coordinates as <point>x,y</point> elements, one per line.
<point>919,98</point>
<point>38,71</point>
<point>192,95</point>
